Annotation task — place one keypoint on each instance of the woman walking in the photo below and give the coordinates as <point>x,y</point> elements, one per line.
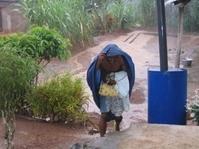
<point>111,78</point>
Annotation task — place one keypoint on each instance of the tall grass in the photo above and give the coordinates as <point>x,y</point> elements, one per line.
<point>191,16</point>
<point>80,20</point>
<point>191,21</point>
<point>122,10</point>
<point>145,12</point>
<point>110,15</point>
<point>67,16</point>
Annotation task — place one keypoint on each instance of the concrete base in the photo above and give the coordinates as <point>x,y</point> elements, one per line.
<point>150,136</point>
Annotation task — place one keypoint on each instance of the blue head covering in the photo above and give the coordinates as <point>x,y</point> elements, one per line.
<point>94,75</point>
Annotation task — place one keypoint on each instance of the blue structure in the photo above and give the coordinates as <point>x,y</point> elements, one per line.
<point>167,94</point>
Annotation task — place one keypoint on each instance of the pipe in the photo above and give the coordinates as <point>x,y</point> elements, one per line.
<point>162,35</point>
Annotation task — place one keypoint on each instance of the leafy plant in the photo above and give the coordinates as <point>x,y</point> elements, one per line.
<point>41,43</point>
<point>61,98</point>
<point>50,43</point>
<point>16,75</point>
<point>193,107</point>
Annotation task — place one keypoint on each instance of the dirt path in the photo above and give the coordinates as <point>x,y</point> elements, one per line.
<point>40,135</point>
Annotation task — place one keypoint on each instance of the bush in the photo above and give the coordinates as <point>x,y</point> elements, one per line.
<point>40,43</point>
<point>16,75</point>
<point>10,41</point>
<point>49,42</point>
<point>193,107</point>
<point>59,99</point>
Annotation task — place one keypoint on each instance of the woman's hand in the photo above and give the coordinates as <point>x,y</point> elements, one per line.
<point>101,57</point>
<point>111,82</point>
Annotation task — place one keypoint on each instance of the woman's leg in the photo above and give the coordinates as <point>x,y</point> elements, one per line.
<point>103,124</point>
<point>118,120</point>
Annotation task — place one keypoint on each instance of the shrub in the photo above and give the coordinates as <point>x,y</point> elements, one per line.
<point>193,107</point>
<point>40,43</point>
<point>10,41</point>
<point>49,42</point>
<point>61,98</point>
<point>16,74</point>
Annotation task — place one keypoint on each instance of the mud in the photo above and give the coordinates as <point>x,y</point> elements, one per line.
<point>41,135</point>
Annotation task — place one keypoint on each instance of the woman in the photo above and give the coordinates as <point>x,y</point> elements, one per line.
<point>112,68</point>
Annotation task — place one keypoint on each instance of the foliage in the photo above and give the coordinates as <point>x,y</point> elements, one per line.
<point>10,41</point>
<point>78,19</point>
<point>193,107</point>
<point>50,43</point>
<point>109,15</point>
<point>145,12</point>
<point>16,75</point>
<point>67,16</point>
<point>191,19</point>
<point>40,43</point>
<point>123,13</point>
<point>61,98</point>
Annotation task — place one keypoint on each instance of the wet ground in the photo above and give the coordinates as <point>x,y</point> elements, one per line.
<point>149,136</point>
<point>142,46</point>
<point>32,134</point>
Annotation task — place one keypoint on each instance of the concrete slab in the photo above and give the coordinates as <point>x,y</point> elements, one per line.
<point>149,136</point>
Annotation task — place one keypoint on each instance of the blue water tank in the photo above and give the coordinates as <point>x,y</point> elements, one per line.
<point>167,95</point>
